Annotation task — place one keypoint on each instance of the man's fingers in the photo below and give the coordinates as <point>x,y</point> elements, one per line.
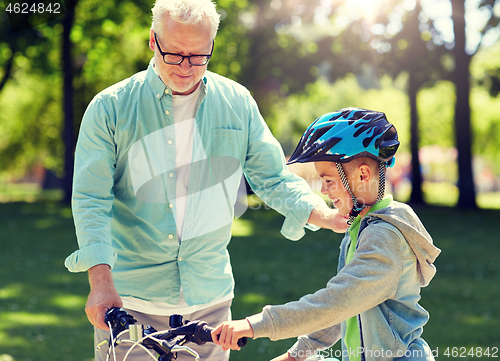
<point>96,317</point>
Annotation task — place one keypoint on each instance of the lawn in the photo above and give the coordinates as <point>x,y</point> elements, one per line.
<point>41,304</point>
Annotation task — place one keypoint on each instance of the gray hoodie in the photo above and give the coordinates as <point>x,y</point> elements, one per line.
<point>380,285</point>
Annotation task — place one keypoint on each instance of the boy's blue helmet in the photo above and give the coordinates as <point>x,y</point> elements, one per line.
<point>346,134</point>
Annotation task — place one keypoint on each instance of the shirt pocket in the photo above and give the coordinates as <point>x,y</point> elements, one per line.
<point>228,151</point>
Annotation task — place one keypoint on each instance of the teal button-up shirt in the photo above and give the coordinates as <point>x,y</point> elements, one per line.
<point>124,195</point>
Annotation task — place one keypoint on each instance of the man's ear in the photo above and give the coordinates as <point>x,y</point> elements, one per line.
<point>152,40</point>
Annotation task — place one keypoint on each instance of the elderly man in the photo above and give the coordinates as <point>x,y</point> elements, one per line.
<point>159,161</point>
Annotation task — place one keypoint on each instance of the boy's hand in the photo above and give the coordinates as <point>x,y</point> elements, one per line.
<point>285,357</point>
<point>228,333</point>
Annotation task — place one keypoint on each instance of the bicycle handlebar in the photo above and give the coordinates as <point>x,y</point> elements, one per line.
<point>164,343</point>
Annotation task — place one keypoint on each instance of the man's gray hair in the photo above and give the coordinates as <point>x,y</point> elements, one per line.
<point>188,12</point>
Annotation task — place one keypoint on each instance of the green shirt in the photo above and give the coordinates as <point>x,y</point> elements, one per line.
<point>352,338</point>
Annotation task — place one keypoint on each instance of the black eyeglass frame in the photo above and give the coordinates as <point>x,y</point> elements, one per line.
<point>188,57</point>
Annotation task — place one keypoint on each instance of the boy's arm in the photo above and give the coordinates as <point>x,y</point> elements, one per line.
<point>368,280</point>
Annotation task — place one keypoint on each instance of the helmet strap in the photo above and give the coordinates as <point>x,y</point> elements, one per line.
<point>356,207</point>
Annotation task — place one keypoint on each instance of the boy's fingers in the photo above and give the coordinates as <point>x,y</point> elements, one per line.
<point>215,334</point>
<point>234,343</point>
<point>222,337</point>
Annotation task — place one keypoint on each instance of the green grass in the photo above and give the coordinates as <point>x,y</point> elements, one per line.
<point>27,192</point>
<point>41,304</point>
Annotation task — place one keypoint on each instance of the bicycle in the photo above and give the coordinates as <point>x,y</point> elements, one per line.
<point>165,343</point>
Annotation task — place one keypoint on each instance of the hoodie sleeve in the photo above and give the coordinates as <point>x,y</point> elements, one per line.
<point>369,279</point>
<point>307,345</point>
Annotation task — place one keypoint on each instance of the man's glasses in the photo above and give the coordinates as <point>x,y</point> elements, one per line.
<point>176,59</point>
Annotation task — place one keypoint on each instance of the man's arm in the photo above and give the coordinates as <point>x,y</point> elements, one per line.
<point>103,295</point>
<point>325,217</point>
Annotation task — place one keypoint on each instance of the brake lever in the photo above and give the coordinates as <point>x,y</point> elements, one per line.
<point>119,320</point>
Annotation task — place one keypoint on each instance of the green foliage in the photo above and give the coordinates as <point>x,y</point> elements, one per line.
<point>232,42</point>
<point>485,104</point>
<point>29,124</point>
<point>292,116</point>
<point>486,126</point>
<point>436,113</point>
<point>276,49</point>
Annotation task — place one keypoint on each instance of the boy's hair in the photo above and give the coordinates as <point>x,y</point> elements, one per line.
<point>352,165</point>
<point>188,12</point>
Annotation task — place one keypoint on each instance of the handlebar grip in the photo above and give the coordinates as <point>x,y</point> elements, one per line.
<point>206,336</point>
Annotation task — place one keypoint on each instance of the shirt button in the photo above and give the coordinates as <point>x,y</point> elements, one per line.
<point>169,141</point>
<point>167,112</point>
<point>157,95</point>
<point>166,91</point>
<point>170,236</point>
<point>170,205</point>
<point>180,259</point>
<point>171,175</point>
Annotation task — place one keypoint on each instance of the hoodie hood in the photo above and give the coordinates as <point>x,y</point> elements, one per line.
<point>404,218</point>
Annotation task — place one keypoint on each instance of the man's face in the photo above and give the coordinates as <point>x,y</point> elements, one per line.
<point>182,39</point>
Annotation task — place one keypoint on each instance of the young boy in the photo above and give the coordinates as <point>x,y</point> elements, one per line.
<point>386,255</point>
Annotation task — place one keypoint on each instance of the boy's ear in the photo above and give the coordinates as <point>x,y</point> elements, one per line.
<point>365,172</point>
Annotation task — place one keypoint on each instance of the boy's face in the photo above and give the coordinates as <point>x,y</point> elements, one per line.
<point>331,185</point>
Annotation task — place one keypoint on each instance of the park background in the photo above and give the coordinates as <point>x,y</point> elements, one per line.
<point>433,66</point>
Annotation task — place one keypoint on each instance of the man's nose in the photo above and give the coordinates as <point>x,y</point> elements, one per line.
<point>184,64</point>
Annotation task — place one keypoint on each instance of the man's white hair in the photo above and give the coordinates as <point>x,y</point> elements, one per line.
<point>188,12</point>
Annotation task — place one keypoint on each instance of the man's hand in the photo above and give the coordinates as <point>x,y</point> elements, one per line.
<point>285,357</point>
<point>228,333</point>
<point>326,217</point>
<point>103,295</point>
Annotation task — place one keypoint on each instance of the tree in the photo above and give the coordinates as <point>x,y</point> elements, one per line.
<point>68,133</point>
<point>413,52</point>
<point>463,132</point>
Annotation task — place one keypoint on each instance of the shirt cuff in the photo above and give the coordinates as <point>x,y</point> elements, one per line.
<point>296,220</point>
<point>90,256</point>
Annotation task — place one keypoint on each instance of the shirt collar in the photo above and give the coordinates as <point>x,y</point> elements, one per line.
<point>383,203</point>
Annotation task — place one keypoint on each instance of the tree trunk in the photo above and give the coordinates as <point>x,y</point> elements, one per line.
<point>463,132</point>
<point>416,196</point>
<point>69,128</point>
<point>8,70</point>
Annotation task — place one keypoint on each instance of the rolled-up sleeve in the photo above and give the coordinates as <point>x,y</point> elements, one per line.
<point>95,164</point>
<point>269,177</point>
